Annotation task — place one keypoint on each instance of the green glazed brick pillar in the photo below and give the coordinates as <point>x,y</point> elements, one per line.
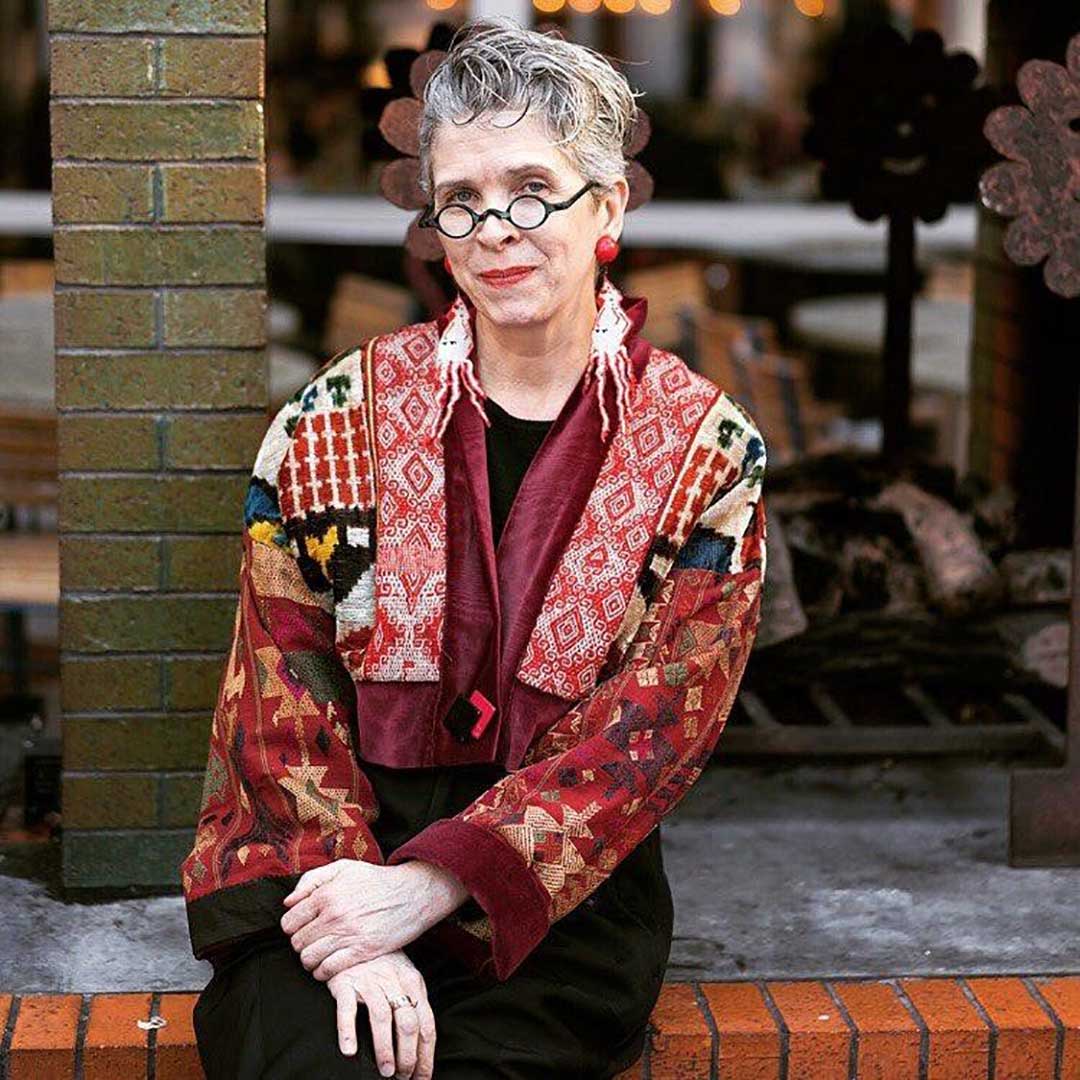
<point>159,194</point>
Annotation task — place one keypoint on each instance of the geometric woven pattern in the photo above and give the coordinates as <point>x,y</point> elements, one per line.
<point>676,423</point>
<point>623,757</point>
<point>591,588</point>
<point>410,562</point>
<point>283,792</point>
<point>654,481</point>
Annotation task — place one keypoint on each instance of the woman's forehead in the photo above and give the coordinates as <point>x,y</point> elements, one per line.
<point>492,148</point>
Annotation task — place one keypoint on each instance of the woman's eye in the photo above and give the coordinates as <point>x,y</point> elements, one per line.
<point>540,183</point>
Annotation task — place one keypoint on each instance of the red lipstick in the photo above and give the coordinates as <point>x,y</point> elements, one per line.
<point>510,276</point>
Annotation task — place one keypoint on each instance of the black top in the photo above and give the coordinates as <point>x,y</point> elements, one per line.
<point>512,442</point>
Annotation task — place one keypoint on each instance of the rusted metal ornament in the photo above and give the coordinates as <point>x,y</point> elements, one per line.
<point>423,243</point>
<point>422,68</point>
<point>399,181</point>
<point>400,125</point>
<point>897,125</point>
<point>1040,185</point>
<point>641,184</point>
<point>640,134</point>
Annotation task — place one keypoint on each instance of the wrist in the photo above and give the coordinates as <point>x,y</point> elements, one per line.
<point>440,891</point>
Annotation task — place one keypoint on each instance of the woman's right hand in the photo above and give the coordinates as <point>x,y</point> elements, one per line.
<point>374,982</point>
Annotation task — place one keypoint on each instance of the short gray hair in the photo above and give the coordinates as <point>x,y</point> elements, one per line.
<point>494,64</point>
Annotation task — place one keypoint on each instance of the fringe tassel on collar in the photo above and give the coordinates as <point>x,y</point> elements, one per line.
<point>454,359</point>
<point>608,356</point>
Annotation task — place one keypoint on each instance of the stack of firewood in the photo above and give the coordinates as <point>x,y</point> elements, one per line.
<point>863,564</point>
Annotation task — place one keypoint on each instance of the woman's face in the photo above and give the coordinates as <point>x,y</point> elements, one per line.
<point>487,163</point>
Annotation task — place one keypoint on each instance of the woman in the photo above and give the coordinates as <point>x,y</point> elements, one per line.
<point>502,572</point>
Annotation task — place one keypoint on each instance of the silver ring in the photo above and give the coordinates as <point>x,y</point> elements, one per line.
<point>401,999</point>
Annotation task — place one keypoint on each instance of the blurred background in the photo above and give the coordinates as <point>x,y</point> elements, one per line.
<point>736,224</point>
<point>755,279</point>
<point>725,85</point>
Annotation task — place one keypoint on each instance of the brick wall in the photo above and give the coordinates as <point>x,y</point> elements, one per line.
<point>158,207</point>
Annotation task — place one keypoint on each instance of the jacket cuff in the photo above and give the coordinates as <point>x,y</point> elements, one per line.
<point>229,916</point>
<point>493,872</point>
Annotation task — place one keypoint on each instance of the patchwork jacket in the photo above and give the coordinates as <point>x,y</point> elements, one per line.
<point>375,623</point>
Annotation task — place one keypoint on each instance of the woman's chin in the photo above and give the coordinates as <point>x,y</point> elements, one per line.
<point>514,310</point>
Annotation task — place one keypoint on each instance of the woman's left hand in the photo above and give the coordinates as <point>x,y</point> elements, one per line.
<point>350,911</point>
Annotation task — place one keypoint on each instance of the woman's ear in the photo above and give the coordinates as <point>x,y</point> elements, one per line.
<point>613,208</point>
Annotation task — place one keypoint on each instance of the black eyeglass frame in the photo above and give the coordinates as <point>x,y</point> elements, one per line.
<point>430,220</point>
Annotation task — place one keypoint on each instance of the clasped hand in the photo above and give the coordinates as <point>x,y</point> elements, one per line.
<point>351,911</point>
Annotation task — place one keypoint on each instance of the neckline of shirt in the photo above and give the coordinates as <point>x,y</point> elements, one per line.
<point>498,412</point>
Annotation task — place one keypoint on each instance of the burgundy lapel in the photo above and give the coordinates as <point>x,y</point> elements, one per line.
<point>548,503</point>
<point>590,590</point>
<point>465,435</point>
<point>551,500</point>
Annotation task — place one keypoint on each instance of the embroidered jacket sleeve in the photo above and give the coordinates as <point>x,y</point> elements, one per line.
<point>593,786</point>
<point>283,792</point>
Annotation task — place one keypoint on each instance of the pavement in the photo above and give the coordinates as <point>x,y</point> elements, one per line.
<point>779,871</point>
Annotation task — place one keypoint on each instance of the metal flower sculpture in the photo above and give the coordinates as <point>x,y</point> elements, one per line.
<point>1040,185</point>
<point>898,128</point>
<point>898,125</point>
<point>400,126</point>
<point>1040,188</point>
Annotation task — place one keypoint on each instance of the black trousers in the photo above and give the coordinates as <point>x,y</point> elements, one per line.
<point>577,1007</point>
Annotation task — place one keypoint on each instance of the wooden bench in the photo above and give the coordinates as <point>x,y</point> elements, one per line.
<point>29,557</point>
<point>742,355</point>
<point>362,306</point>
<point>896,1029</point>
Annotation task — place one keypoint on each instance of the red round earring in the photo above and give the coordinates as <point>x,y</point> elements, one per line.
<point>607,250</point>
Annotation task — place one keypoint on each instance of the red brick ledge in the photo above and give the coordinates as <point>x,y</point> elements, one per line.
<point>895,1029</point>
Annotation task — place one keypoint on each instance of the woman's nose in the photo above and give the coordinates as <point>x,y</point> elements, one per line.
<point>493,228</point>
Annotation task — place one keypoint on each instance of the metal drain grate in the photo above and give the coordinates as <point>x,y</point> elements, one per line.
<point>905,719</point>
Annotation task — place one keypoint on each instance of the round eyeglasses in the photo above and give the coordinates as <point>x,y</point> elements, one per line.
<point>457,220</point>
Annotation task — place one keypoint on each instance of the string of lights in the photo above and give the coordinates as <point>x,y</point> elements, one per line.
<point>811,8</point>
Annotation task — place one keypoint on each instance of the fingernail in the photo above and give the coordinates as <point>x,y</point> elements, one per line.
<point>387,1068</point>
